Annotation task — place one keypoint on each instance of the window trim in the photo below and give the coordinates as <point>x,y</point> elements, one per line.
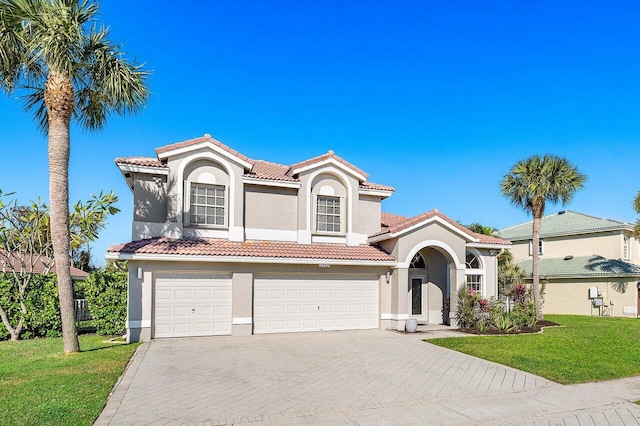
<point>188,205</point>
<point>540,247</point>
<point>316,231</point>
<point>626,247</point>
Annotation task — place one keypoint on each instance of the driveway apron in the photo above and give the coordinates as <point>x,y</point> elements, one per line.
<point>351,377</point>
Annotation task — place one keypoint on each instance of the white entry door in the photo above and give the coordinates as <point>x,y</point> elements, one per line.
<point>286,304</point>
<point>191,305</point>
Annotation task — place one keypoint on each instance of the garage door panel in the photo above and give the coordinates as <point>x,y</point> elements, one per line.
<point>192,305</point>
<point>314,304</point>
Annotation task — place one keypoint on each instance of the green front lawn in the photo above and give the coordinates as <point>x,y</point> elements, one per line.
<point>586,349</point>
<point>41,385</point>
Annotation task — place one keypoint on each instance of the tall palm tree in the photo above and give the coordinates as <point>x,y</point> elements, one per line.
<point>636,207</point>
<point>530,184</point>
<point>54,51</point>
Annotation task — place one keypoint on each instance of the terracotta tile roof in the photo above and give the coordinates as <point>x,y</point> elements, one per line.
<point>270,171</point>
<point>202,139</point>
<point>141,161</point>
<point>489,239</point>
<point>324,157</point>
<point>389,219</point>
<point>370,185</point>
<point>398,225</point>
<point>266,249</point>
<point>43,264</point>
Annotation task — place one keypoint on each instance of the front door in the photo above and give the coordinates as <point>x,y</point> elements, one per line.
<point>417,303</point>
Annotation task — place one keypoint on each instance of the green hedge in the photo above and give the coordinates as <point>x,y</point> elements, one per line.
<point>43,309</point>
<point>105,290</point>
<point>106,293</point>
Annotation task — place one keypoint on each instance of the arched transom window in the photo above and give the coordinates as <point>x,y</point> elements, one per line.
<point>474,272</point>
<point>418,262</point>
<point>472,261</point>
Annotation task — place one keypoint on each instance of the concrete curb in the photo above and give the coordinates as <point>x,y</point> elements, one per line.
<point>122,386</point>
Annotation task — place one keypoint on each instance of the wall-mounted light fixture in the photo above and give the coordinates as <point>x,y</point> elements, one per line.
<point>388,277</point>
<point>139,273</point>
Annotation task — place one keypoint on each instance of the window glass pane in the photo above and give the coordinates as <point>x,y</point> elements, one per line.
<point>327,214</point>
<point>207,204</point>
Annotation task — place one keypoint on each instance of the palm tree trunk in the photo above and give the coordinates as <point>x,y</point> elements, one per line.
<point>59,99</point>
<point>535,242</point>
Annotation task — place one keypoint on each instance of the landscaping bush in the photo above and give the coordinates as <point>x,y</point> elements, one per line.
<point>106,293</point>
<point>42,317</point>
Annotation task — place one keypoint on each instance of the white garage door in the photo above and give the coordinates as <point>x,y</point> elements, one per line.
<point>284,304</point>
<point>192,305</point>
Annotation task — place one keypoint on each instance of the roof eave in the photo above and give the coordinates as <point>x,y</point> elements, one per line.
<point>244,259</point>
<point>269,182</point>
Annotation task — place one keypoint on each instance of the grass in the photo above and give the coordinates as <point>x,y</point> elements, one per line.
<point>586,349</point>
<point>41,385</point>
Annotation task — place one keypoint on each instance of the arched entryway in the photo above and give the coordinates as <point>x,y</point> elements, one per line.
<point>431,271</point>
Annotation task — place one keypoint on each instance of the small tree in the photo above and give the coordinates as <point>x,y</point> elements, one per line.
<point>26,249</point>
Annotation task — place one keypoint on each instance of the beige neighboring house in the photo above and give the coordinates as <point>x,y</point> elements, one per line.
<point>577,253</point>
<point>223,244</point>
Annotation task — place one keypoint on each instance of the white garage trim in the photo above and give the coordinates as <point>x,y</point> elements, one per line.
<point>314,303</point>
<point>187,304</point>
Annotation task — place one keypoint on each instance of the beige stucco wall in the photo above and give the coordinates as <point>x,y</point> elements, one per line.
<point>149,198</point>
<point>270,208</point>
<point>367,215</point>
<point>568,296</point>
<point>606,244</point>
<point>185,164</point>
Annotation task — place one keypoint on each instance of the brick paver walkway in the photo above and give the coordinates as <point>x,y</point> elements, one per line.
<point>355,377</point>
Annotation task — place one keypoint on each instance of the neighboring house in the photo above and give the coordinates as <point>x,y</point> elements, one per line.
<point>223,244</point>
<point>33,264</point>
<point>578,252</point>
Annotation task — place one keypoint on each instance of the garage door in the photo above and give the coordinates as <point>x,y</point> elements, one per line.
<point>192,305</point>
<point>284,304</point>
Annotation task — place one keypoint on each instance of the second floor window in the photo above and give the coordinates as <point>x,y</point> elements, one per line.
<point>207,205</point>
<point>328,214</point>
<point>626,248</point>
<point>540,247</point>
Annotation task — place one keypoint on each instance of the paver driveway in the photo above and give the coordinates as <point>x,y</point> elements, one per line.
<point>355,377</point>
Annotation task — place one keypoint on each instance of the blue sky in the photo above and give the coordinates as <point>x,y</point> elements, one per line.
<point>435,98</point>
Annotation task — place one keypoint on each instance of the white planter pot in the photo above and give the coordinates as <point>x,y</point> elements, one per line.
<point>411,325</point>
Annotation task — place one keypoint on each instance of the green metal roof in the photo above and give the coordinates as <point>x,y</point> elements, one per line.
<point>564,223</point>
<point>581,266</point>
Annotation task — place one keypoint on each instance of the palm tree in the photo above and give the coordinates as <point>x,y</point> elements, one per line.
<point>636,207</point>
<point>530,184</point>
<point>54,51</point>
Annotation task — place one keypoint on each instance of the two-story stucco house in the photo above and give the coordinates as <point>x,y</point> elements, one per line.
<point>579,252</point>
<point>223,244</point>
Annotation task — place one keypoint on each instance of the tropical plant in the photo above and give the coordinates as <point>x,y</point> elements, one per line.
<point>482,229</point>
<point>510,274</point>
<point>532,183</point>
<point>636,207</point>
<point>55,51</point>
<point>502,322</point>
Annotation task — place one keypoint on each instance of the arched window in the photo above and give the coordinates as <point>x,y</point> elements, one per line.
<point>474,273</point>
<point>472,261</point>
<point>418,262</point>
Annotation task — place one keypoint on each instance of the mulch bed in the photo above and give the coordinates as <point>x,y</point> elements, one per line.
<point>524,330</point>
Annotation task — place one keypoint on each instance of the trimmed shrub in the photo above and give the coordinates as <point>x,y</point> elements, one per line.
<point>42,318</point>
<point>106,293</point>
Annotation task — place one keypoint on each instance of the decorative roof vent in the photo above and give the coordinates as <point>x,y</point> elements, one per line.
<point>562,212</point>
<point>568,257</point>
